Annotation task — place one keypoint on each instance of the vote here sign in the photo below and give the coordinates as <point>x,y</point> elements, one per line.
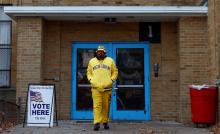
<point>40,105</point>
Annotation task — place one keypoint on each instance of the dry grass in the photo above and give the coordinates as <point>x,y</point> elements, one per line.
<point>4,123</point>
<point>215,129</point>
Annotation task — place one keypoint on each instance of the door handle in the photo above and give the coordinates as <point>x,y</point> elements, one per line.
<point>115,90</point>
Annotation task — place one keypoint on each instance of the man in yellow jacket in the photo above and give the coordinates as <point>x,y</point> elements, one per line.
<point>101,73</point>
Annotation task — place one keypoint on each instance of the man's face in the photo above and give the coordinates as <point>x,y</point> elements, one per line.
<point>100,54</point>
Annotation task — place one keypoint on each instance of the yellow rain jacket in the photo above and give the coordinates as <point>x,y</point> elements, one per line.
<point>101,73</point>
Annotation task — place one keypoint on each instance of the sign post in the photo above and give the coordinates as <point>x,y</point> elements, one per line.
<point>39,110</point>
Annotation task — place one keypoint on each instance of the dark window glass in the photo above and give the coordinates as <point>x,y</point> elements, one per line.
<point>84,98</point>
<point>5,53</point>
<point>83,92</point>
<point>130,99</point>
<point>150,31</point>
<point>130,82</point>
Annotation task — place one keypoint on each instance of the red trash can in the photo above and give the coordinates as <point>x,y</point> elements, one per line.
<point>204,103</point>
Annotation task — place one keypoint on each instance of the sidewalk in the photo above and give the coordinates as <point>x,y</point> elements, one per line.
<point>73,127</point>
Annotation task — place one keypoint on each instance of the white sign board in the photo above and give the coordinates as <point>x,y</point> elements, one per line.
<point>40,105</point>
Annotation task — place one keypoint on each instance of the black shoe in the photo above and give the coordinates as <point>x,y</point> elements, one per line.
<point>96,127</point>
<point>106,126</point>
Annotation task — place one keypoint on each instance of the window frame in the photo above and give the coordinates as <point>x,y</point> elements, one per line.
<point>8,46</point>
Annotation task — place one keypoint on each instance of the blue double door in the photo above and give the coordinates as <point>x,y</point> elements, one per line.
<point>130,93</point>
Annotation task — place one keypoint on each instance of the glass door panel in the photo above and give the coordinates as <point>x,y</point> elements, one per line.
<point>83,90</point>
<point>82,52</point>
<point>131,91</point>
<point>130,84</point>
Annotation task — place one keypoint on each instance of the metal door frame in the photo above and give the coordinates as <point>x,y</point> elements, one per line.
<point>111,51</point>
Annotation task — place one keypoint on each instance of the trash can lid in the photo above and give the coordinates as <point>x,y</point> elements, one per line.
<point>200,87</point>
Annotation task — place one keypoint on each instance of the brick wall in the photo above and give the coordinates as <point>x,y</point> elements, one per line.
<point>214,38</point>
<point>6,2</point>
<point>108,2</point>
<point>29,51</point>
<point>193,59</point>
<point>165,88</point>
<point>14,54</point>
<point>36,2</point>
<point>214,41</point>
<point>57,61</point>
<point>51,60</point>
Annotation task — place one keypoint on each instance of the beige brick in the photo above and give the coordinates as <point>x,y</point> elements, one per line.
<point>9,2</point>
<point>29,49</point>
<point>214,41</point>
<point>193,59</point>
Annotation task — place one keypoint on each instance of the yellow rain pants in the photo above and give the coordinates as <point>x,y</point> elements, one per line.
<point>101,104</point>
